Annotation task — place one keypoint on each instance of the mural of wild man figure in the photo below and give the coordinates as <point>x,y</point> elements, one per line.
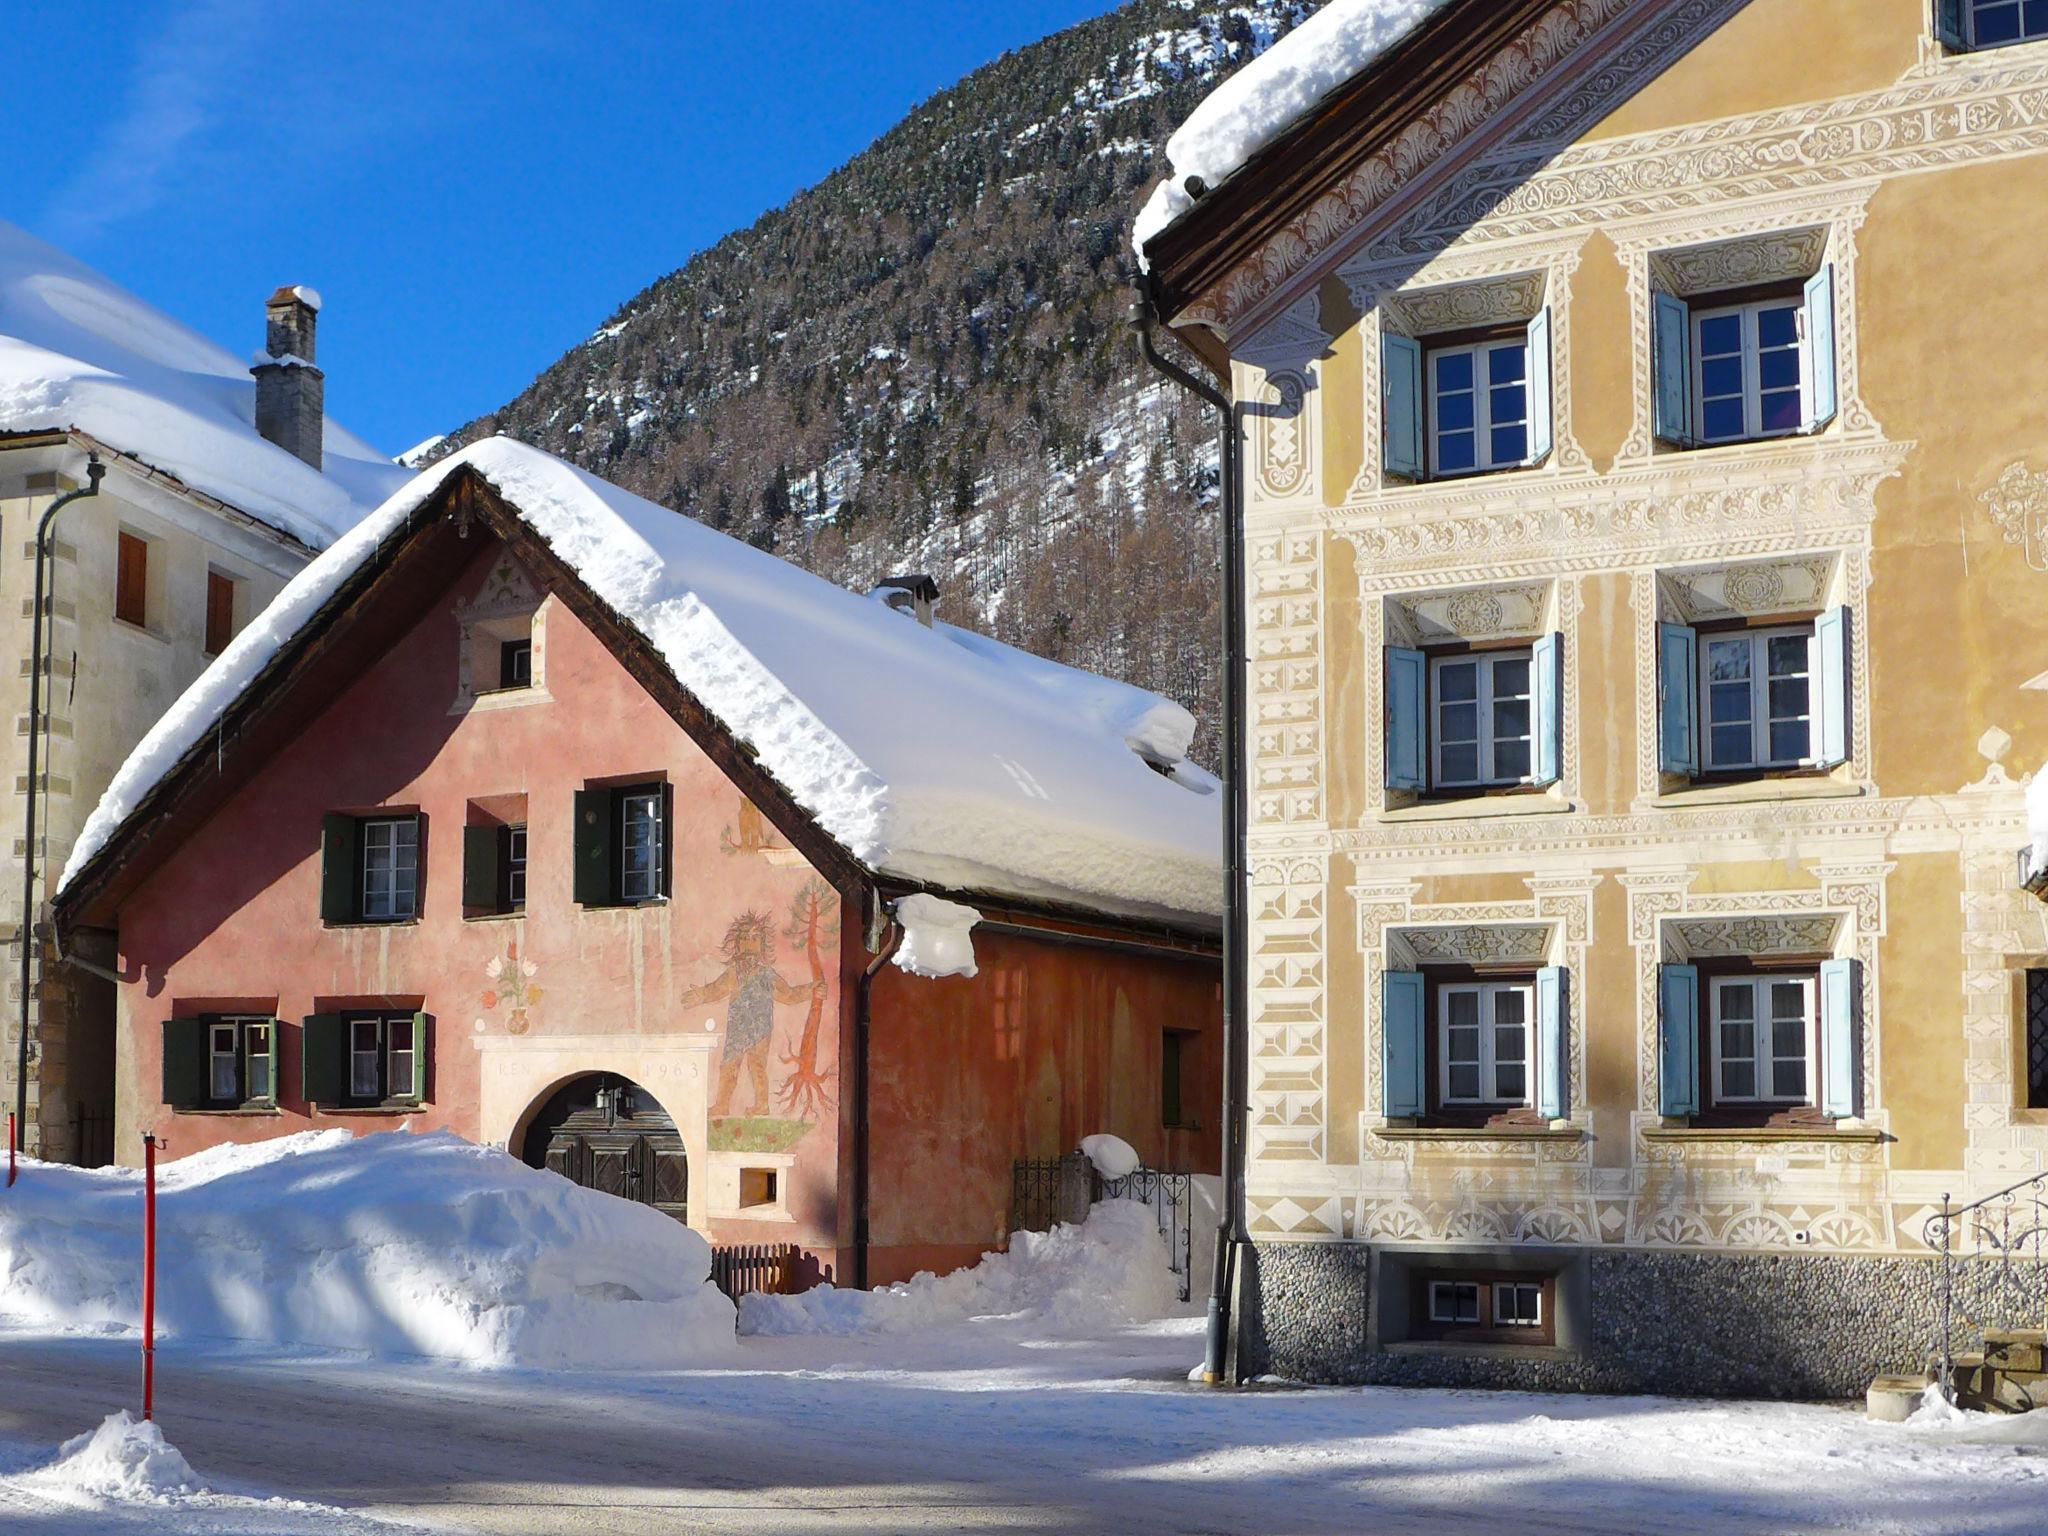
<point>754,987</point>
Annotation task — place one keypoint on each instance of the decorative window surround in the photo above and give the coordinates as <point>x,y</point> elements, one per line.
<point>1276,374</point>
<point>507,607</point>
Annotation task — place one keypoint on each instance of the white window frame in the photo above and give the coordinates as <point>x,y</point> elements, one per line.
<point>1490,1063</point>
<point>1516,1288</point>
<point>1443,1303</point>
<point>1763,1037</point>
<point>642,885</point>
<point>1488,741</point>
<point>1753,430</point>
<point>392,1085</point>
<point>1972,7</point>
<point>1481,352</point>
<point>401,901</point>
<point>217,1057</point>
<point>515,867</point>
<point>1760,718</point>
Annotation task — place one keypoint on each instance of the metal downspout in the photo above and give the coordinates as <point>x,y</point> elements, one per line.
<point>1231,1234</point>
<point>863,1016</point>
<point>95,471</point>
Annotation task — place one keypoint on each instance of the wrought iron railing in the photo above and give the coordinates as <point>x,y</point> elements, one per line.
<point>1047,1190</point>
<point>1992,1268</point>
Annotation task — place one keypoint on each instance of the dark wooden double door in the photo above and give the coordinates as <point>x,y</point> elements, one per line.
<point>611,1135</point>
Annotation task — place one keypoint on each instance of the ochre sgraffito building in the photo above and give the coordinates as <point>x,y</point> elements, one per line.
<point>1646,498</point>
<point>545,815</point>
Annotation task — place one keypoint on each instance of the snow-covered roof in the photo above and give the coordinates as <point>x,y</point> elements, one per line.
<point>936,756</point>
<point>79,352</point>
<point>1268,96</point>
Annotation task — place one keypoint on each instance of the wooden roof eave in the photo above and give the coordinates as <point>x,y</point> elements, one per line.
<point>1233,220</point>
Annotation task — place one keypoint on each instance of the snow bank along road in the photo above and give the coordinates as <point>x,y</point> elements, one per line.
<point>980,1427</point>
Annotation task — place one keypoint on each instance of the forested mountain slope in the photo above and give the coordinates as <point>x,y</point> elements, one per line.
<point>925,361</point>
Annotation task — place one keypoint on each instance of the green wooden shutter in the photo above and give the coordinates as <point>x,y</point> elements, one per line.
<point>184,1063</point>
<point>1541,431</point>
<point>596,849</point>
<point>1841,1037</point>
<point>340,869</point>
<point>323,1059</point>
<point>1401,364</point>
<point>481,878</point>
<point>1820,349</point>
<point>1671,368</point>
<point>1407,711</point>
<point>1546,705</point>
<point>1830,702</point>
<point>1678,1045</point>
<point>1948,25</point>
<point>1678,735</point>
<point>1553,1042</point>
<point>1401,1043</point>
<point>422,1054</point>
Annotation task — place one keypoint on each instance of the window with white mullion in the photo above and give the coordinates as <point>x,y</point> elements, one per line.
<point>1994,23</point>
<point>1749,371</point>
<point>390,868</point>
<point>1761,1032</point>
<point>224,1063</point>
<point>1483,1042</point>
<point>1756,690</point>
<point>1483,720</point>
<point>1479,407</point>
<point>640,845</point>
<point>1517,1304</point>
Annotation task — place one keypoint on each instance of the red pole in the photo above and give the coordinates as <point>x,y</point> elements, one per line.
<point>148,1275</point>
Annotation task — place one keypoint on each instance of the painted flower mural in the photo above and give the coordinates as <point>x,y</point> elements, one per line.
<point>511,984</point>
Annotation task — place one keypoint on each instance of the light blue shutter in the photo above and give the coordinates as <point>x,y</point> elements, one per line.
<point>1820,349</point>
<point>1401,363</point>
<point>1401,1043</point>
<point>1948,24</point>
<point>1553,1043</point>
<point>1678,737</point>
<point>1407,701</point>
<point>1831,691</point>
<point>1539,388</point>
<point>1841,1037</point>
<point>1546,705</point>
<point>1671,363</point>
<point>1678,1040</point>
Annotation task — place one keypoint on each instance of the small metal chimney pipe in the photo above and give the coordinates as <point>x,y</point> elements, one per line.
<point>916,595</point>
<point>291,393</point>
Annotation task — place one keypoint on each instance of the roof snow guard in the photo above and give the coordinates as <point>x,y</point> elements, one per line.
<point>933,757</point>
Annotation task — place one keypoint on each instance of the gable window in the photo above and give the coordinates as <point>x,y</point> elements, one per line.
<point>1758,690</point>
<point>1464,402</point>
<point>370,868</point>
<point>1463,722</point>
<point>1969,24</point>
<point>1746,701</point>
<point>220,1061</point>
<point>367,1059</point>
<point>2036,1042</point>
<point>494,869</point>
<point>1462,1048</point>
<point>1748,1042</point>
<point>1483,1043</point>
<point>1748,361</point>
<point>515,663</point>
<point>1479,407</point>
<point>220,612</point>
<point>1176,1051</point>
<point>622,844</point>
<point>131,579</point>
<point>1481,1308</point>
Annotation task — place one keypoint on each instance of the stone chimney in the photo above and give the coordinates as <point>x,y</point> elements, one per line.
<point>915,595</point>
<point>291,393</point>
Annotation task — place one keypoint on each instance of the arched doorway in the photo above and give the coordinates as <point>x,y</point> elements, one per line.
<point>608,1133</point>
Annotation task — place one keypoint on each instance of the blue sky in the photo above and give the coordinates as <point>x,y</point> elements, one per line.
<point>473,185</point>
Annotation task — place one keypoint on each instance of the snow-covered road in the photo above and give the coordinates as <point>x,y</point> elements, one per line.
<point>984,1428</point>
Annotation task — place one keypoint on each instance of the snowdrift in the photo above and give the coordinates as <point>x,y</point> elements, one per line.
<point>391,1243</point>
<point>1112,1268</point>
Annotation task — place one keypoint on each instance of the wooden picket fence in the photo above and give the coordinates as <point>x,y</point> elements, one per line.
<point>741,1269</point>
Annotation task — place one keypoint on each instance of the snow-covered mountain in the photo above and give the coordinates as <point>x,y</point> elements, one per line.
<point>924,362</point>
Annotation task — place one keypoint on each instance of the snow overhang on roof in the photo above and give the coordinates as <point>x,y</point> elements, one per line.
<point>933,756</point>
<point>80,353</point>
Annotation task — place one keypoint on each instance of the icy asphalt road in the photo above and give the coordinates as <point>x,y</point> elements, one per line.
<point>976,1429</point>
